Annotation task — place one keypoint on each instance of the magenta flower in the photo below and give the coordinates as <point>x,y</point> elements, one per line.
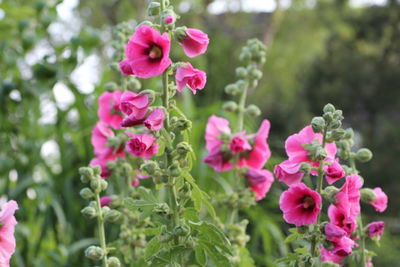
<point>289,172</point>
<point>260,152</point>
<point>239,143</point>
<point>105,201</point>
<point>376,229</point>
<point>260,182</point>
<point>109,111</point>
<point>328,255</point>
<point>102,163</point>
<point>100,136</point>
<point>195,43</point>
<point>348,198</point>
<point>155,120</point>
<point>169,19</point>
<point>147,53</point>
<point>142,145</point>
<point>300,205</point>
<point>135,106</point>
<point>380,201</point>
<point>334,172</point>
<point>333,232</point>
<point>188,76</point>
<point>219,160</point>
<point>343,245</point>
<point>7,240</point>
<point>340,216</point>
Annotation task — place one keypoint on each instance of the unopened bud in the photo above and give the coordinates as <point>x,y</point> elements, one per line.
<point>241,72</point>
<point>161,208</point>
<point>89,212</point>
<point>180,33</point>
<point>150,167</point>
<point>103,185</point>
<point>134,84</point>
<point>335,124</point>
<point>182,230</point>
<point>241,84</point>
<point>86,174</point>
<point>338,134</point>
<point>305,167</point>
<point>182,124</point>
<point>153,9</point>
<point>183,148</point>
<point>94,253</point>
<point>150,93</point>
<point>329,264</point>
<point>364,155</point>
<point>175,170</point>
<point>110,86</point>
<point>96,170</point>
<point>232,89</point>
<point>253,110</point>
<point>328,117</point>
<point>112,216</point>
<point>113,262</point>
<point>329,108</point>
<point>349,133</point>
<point>367,195</point>
<point>95,184</point>
<point>330,193</point>
<point>230,106</point>
<point>86,193</point>
<point>318,124</point>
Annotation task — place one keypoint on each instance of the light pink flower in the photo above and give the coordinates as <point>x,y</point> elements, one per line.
<point>147,53</point>
<point>195,43</point>
<point>142,145</point>
<point>155,120</point>
<point>102,163</point>
<point>169,19</point>
<point>216,127</point>
<point>328,255</point>
<point>188,76</point>
<point>300,205</point>
<point>260,182</point>
<point>376,229</point>
<point>334,172</point>
<point>105,201</point>
<point>260,152</point>
<point>135,106</point>
<point>100,135</point>
<point>380,201</point>
<point>239,143</point>
<point>109,111</point>
<point>7,240</point>
<point>348,198</point>
<point>289,172</point>
<point>333,232</point>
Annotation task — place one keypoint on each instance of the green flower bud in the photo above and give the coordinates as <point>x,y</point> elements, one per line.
<point>183,148</point>
<point>180,33</point>
<point>153,9</point>
<point>134,84</point>
<point>95,184</point>
<point>103,184</point>
<point>302,229</point>
<point>256,74</point>
<point>232,89</point>
<point>230,106</point>
<point>86,173</point>
<point>241,72</point>
<point>23,25</point>
<point>86,193</point>
<point>338,114</point>
<point>318,124</point>
<point>161,208</point>
<point>182,230</point>
<point>242,85</point>
<point>112,216</point>
<point>349,134</point>
<point>114,66</point>
<point>364,155</point>
<point>40,6</point>
<point>111,86</point>
<point>335,124</point>
<point>182,124</point>
<point>367,195</point>
<point>113,262</point>
<point>305,167</point>
<point>89,212</point>
<point>328,117</point>
<point>94,253</point>
<point>338,134</point>
<point>175,170</point>
<point>330,193</point>
<point>253,110</point>
<point>149,166</point>
<point>96,170</point>
<point>329,264</point>
<point>245,55</point>
<point>329,108</point>
<point>145,22</point>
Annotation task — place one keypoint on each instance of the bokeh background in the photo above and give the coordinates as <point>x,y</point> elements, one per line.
<point>54,62</point>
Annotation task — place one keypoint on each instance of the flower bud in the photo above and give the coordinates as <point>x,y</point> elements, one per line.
<point>40,6</point>
<point>95,184</point>
<point>241,84</point>
<point>111,86</point>
<point>113,262</point>
<point>329,264</point>
<point>94,253</point>
<point>86,173</point>
<point>150,93</point>
<point>364,155</point>
<point>349,134</point>
<point>305,167</point>
<point>328,117</point>
<point>318,124</point>
<point>175,170</point>
<point>180,33</point>
<point>245,54</point>
<point>96,170</point>
<point>253,110</point>
<point>149,166</point>
<point>86,193</point>
<point>329,108</point>
<point>335,124</point>
<point>232,89</point>
<point>338,134</point>
<point>330,193</point>
<point>89,212</point>
<point>153,9</point>
<point>112,216</point>
<point>241,72</point>
<point>134,84</point>
<point>182,230</point>
<point>230,106</point>
<point>367,195</point>
<point>182,124</point>
<point>161,208</point>
<point>183,148</point>
<point>256,74</point>
<point>103,185</point>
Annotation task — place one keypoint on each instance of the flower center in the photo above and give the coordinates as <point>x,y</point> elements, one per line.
<point>155,52</point>
<point>308,202</point>
<point>139,146</point>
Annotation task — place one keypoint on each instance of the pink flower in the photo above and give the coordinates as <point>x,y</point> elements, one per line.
<point>348,198</point>
<point>7,240</point>
<point>147,53</point>
<point>239,144</point>
<point>340,217</point>
<point>99,139</point>
<point>105,201</point>
<point>219,160</point>
<point>216,127</point>
<point>334,172</point>
<point>376,229</point>
<point>343,245</point>
<point>169,19</point>
<point>155,120</point>
<point>333,233</point>
<point>135,106</point>
<point>195,43</point>
<point>102,163</point>
<point>289,172</point>
<point>188,76</point>
<point>109,111</point>
<point>294,146</point>
<point>380,201</point>
<point>300,205</point>
<point>139,176</point>
<point>142,145</point>
<point>328,255</point>
<point>260,152</point>
<point>260,182</point>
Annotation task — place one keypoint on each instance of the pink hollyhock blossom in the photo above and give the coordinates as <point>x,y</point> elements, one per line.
<point>260,152</point>
<point>109,111</point>
<point>300,205</point>
<point>155,120</point>
<point>333,233</point>
<point>135,106</point>
<point>99,139</point>
<point>340,217</point>
<point>169,19</point>
<point>334,172</point>
<point>105,201</point>
<point>328,255</point>
<point>260,182</point>
<point>380,201</point>
<point>142,145</point>
<point>219,160</point>
<point>216,127</point>
<point>376,229</point>
<point>343,246</point>
<point>188,76</point>
<point>7,240</point>
<point>294,146</point>
<point>239,143</point>
<point>147,53</point>
<point>195,43</point>
<point>289,172</point>
<point>348,198</point>
<point>102,163</point>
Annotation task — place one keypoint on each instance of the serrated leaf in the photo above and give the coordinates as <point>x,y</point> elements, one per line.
<point>152,248</point>
<point>200,255</point>
<point>219,259</point>
<point>146,194</point>
<point>212,234</point>
<point>190,214</point>
<point>136,204</point>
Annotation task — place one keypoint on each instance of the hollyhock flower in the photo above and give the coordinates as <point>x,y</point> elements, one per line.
<point>188,76</point>
<point>333,233</point>
<point>169,19</point>
<point>380,201</point>
<point>155,120</point>
<point>7,240</point>
<point>294,146</point>
<point>147,53</point>
<point>376,229</point>
<point>340,216</point>
<point>289,172</point>
<point>239,143</point>
<point>195,42</point>
<point>260,152</point>
<point>216,127</point>
<point>102,163</point>
<point>348,198</point>
<point>135,106</point>
<point>334,172</point>
<point>260,182</point>
<point>343,246</point>
<point>300,205</point>
<point>105,201</point>
<point>142,145</point>
<point>328,255</point>
<point>219,160</point>
<point>99,139</point>
<point>109,111</point>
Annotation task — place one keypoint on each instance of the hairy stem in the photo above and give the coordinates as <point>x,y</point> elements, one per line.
<point>241,109</point>
<point>102,235</point>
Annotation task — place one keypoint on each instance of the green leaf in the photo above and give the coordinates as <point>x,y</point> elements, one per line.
<point>200,255</point>
<point>197,198</point>
<point>212,234</point>
<point>245,258</point>
<point>152,248</point>
<point>190,214</point>
<point>219,259</point>
<point>301,251</point>
<point>146,194</point>
<point>136,204</point>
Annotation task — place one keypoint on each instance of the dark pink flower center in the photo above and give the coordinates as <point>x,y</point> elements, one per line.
<point>137,145</point>
<point>238,145</point>
<point>155,52</point>
<point>308,203</point>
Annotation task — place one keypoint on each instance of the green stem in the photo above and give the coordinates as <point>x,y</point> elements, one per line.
<point>362,241</point>
<point>241,109</point>
<point>102,235</point>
